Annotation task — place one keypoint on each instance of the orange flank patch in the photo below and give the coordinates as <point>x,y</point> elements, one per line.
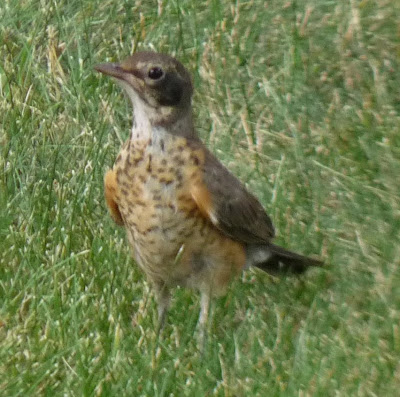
<point>202,198</point>
<point>231,262</point>
<point>110,193</point>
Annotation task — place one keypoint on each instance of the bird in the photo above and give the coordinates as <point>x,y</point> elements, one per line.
<point>189,221</point>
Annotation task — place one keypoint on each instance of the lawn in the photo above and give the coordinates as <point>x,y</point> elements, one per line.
<point>301,100</point>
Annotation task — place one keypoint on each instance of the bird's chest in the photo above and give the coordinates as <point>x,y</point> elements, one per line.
<point>154,177</point>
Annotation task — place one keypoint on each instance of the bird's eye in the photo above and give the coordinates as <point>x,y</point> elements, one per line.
<point>155,73</point>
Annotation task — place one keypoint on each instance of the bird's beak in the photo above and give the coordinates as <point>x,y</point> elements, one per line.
<point>111,69</point>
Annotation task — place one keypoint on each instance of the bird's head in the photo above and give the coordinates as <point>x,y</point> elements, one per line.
<point>157,85</point>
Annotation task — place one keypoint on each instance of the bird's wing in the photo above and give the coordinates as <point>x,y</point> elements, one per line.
<point>110,192</point>
<point>224,200</point>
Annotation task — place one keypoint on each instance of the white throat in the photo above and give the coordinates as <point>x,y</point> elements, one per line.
<point>141,123</point>
<point>142,127</point>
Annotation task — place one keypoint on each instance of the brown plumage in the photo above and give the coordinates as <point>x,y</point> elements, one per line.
<point>189,221</point>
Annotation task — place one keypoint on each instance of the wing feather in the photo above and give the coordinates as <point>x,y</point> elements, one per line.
<point>229,206</point>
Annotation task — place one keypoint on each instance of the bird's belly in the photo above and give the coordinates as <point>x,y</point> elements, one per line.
<point>174,244</point>
<point>161,218</point>
<point>164,238</point>
<point>172,241</point>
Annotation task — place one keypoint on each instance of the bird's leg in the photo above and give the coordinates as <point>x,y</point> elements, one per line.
<point>203,318</point>
<point>163,299</point>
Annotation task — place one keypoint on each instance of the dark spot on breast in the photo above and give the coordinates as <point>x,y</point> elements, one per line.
<point>164,162</point>
<point>182,232</point>
<point>149,166</point>
<point>128,162</point>
<point>162,145</point>
<point>137,161</point>
<point>118,160</point>
<point>180,148</point>
<point>188,233</point>
<point>167,228</point>
<point>173,240</point>
<point>178,161</point>
<point>166,181</point>
<point>192,213</point>
<point>195,160</point>
<point>131,223</point>
<point>203,228</point>
<point>185,199</point>
<point>179,179</point>
<point>151,229</point>
<point>124,192</point>
<point>150,142</point>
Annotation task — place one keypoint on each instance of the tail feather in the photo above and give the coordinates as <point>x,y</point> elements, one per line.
<point>275,260</point>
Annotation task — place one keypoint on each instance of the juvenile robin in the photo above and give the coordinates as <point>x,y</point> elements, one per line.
<point>189,221</point>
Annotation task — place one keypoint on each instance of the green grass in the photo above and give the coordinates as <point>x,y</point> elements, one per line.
<point>301,100</point>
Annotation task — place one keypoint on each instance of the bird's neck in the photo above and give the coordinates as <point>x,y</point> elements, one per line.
<point>148,123</point>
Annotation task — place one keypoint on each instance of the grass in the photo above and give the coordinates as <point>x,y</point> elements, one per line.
<point>300,100</point>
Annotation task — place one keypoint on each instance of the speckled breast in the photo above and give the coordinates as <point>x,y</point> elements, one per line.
<point>160,216</point>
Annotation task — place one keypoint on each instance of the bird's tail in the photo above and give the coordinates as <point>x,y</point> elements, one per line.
<point>275,260</point>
